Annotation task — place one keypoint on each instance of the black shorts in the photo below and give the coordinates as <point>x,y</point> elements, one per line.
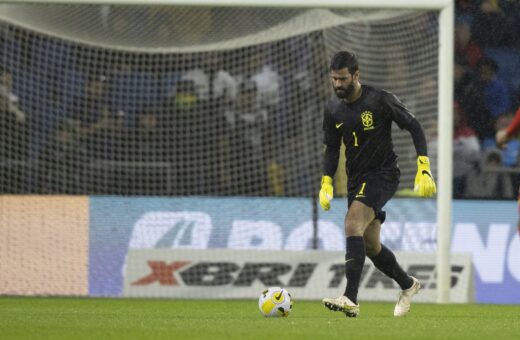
<point>374,190</point>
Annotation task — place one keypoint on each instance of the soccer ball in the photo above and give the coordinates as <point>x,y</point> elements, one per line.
<point>275,302</point>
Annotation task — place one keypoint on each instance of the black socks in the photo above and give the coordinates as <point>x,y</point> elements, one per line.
<point>354,262</point>
<point>386,262</point>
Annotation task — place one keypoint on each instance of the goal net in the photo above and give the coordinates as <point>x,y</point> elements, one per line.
<point>196,107</point>
<point>117,99</point>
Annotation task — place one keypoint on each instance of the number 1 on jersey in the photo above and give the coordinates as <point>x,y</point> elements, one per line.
<point>355,138</point>
<point>362,191</point>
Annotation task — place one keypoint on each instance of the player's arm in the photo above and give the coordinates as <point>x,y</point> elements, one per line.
<point>424,184</point>
<point>332,142</point>
<point>503,136</point>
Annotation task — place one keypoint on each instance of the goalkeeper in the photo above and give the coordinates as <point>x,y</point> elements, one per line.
<point>362,117</point>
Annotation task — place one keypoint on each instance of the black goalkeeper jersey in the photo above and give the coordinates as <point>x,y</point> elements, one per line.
<point>365,126</point>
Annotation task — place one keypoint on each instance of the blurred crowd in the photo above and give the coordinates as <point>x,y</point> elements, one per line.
<point>126,122</point>
<point>199,124</point>
<point>487,94</point>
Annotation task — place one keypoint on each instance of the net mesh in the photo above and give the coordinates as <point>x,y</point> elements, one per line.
<point>212,103</point>
<point>151,100</point>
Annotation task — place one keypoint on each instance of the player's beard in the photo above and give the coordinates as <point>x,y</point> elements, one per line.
<point>344,92</point>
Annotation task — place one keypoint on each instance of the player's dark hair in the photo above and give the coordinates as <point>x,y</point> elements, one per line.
<point>344,59</point>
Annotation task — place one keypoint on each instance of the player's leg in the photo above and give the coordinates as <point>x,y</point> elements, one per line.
<point>358,218</point>
<point>385,260</point>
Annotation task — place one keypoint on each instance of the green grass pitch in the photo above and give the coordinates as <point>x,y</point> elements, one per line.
<point>85,318</point>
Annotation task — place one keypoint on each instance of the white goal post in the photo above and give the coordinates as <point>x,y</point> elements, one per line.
<point>445,90</point>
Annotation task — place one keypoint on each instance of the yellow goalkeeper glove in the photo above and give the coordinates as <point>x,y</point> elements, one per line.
<point>326,192</point>
<point>424,183</point>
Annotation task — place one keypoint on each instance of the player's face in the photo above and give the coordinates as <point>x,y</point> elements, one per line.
<point>342,82</point>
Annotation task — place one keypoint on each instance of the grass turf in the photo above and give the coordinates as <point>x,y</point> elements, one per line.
<point>84,318</point>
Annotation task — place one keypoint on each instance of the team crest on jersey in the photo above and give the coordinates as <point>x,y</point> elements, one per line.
<point>367,120</point>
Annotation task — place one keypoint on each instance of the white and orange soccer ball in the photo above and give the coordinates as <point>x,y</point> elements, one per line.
<point>275,302</point>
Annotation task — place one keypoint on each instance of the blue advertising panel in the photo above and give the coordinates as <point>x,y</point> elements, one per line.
<point>485,229</point>
<point>118,224</point>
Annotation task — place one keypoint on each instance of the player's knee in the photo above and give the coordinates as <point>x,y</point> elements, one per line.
<point>372,248</point>
<point>354,227</point>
